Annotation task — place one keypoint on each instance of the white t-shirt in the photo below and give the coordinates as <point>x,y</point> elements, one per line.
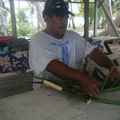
<point>71,50</point>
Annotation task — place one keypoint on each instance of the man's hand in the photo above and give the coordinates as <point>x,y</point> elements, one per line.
<point>90,86</point>
<point>114,75</point>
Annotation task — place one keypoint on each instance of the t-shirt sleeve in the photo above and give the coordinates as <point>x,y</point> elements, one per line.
<point>39,57</point>
<point>89,48</point>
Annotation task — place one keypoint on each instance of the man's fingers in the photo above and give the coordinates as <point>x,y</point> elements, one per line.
<point>93,95</point>
<point>114,75</point>
<point>95,88</point>
<point>90,94</point>
<point>97,84</point>
<point>94,91</point>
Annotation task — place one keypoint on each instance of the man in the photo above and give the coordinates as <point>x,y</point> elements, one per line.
<point>57,53</point>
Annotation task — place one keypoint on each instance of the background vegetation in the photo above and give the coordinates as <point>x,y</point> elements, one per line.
<point>25,17</point>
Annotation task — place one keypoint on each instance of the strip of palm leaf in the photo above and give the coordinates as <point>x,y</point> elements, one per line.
<point>76,91</point>
<point>108,101</point>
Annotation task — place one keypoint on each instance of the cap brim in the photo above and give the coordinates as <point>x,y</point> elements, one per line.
<point>62,12</point>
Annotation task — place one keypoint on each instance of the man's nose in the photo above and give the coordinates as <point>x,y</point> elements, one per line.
<point>64,20</point>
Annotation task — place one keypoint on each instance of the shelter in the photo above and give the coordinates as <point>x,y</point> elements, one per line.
<point>43,104</point>
<point>86,16</point>
<point>86,26</point>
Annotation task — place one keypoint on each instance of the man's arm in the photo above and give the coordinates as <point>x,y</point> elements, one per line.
<point>88,85</point>
<point>101,59</point>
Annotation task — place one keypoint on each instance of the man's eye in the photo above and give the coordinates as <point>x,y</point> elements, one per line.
<point>63,18</point>
<point>60,18</point>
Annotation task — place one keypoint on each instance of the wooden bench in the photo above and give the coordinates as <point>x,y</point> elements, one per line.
<point>11,84</point>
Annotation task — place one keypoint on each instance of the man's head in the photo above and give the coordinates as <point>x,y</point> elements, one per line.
<point>56,7</point>
<point>56,15</point>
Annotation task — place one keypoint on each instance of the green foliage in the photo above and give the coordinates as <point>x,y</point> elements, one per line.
<point>21,17</point>
<point>9,27</point>
<point>25,29</point>
<point>23,26</point>
<point>115,6</point>
<point>81,9</point>
<point>91,12</point>
<point>75,90</point>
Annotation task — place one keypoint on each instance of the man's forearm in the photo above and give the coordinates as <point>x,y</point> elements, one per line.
<point>101,59</point>
<point>63,71</point>
<point>88,85</point>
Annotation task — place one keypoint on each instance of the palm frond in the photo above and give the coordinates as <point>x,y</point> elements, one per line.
<point>113,89</point>
<point>108,101</point>
<point>70,88</point>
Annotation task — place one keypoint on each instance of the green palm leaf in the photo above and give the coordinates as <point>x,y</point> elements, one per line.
<point>108,101</point>
<point>114,89</point>
<point>70,88</point>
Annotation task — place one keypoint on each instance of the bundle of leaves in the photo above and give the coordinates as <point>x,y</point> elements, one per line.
<point>75,89</point>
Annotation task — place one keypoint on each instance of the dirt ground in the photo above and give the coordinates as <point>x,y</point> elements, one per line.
<point>48,104</point>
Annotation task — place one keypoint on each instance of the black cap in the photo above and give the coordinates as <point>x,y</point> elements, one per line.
<point>56,7</point>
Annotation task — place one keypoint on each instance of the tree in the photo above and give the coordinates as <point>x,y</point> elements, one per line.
<point>24,28</point>
<point>3,18</point>
<point>21,16</point>
<point>31,7</point>
<point>115,6</point>
<point>40,21</point>
<point>36,8</point>
<point>116,22</point>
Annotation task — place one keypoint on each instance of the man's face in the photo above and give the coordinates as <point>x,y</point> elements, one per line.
<point>57,25</point>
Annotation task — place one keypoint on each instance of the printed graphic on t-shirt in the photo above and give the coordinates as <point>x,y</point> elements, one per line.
<point>64,54</point>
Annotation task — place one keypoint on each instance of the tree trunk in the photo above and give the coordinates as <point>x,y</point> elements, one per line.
<point>117,19</point>
<point>73,24</point>
<point>110,31</point>
<point>3,19</point>
<point>41,23</point>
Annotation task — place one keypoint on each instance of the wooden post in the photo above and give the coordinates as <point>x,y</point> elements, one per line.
<point>13,18</point>
<point>86,18</point>
<point>95,18</point>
